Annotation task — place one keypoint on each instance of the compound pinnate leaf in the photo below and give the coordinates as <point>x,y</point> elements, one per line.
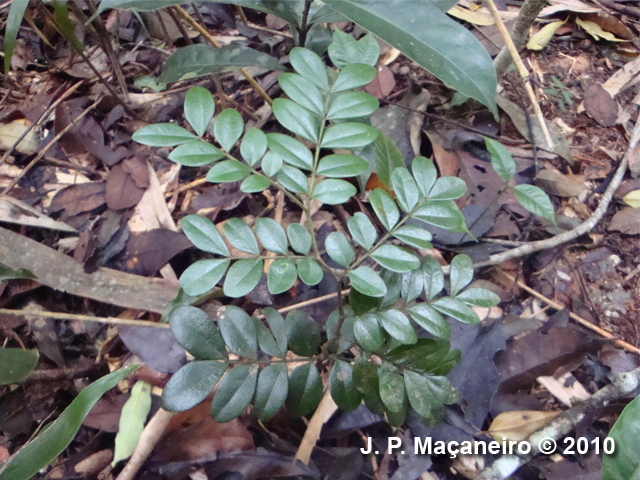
<point>342,166</point>
<point>461,273</point>
<point>291,150</point>
<point>202,276</point>
<point>391,389</point>
<point>310,66</point>
<point>242,277</point>
<point>271,163</point>
<point>353,76</point>
<point>387,157</point>
<point>299,238</point>
<point>240,236</point>
<point>204,234</point>
<point>448,188</point>
<point>228,171</point>
<point>278,329</point>
<point>163,135</point>
<point>333,192</point>
<point>271,391</point>
<point>396,259</point>
<point>414,236</point>
<point>197,333</point>
<point>303,333</point>
<point>398,326</point>
<point>339,249</point>
<point>349,135</point>
<point>234,393</point>
<point>385,208</point>
<point>501,160</point>
<point>405,189</point>
<point>429,319</point>
<point>195,154</point>
<point>456,309</point>
<point>296,119</point>
<point>292,179</point>
<point>271,235</point>
<point>282,276</point>
<point>352,105</point>
<point>303,92</point>
<point>362,230</point>
<point>536,201</point>
<point>368,332</point>
<point>346,50</point>
<point>253,146</point>
<point>425,174</point>
<point>341,386</point>
<point>479,297</point>
<point>366,281</point>
<point>228,128</point>
<point>254,184</point>
<point>305,390</point>
<point>191,384</point>
<point>310,272</point>
<point>432,276</point>
<point>239,331</point>
<point>199,108</point>
<point>445,215</point>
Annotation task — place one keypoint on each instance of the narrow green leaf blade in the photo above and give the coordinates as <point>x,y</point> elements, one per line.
<point>433,277</point>
<point>425,174</point>
<point>345,50</point>
<point>296,119</point>
<point>353,76</point>
<point>429,319</point>
<point>293,179</point>
<point>387,157</point>
<point>352,105</point>
<point>278,328</point>
<point>501,160</point>
<point>303,92</point>
<point>456,309</point>
<point>310,66</point>
<point>479,297</point>
<point>303,333</point>
<point>445,215</point>
<point>234,393</point>
<point>299,238</point>
<point>271,163</point>
<point>368,332</point>
<point>253,146</point>
<point>228,171</point>
<point>414,236</point>
<point>448,188</point>
<point>291,150</point>
<point>195,154</point>
<point>310,272</point>
<point>339,249</point>
<point>385,208</point>
<point>391,389</point>
<point>305,390</point>
<point>461,273</point>
<point>405,188</point>
<point>342,166</point>
<point>254,184</point>
<point>398,326</point>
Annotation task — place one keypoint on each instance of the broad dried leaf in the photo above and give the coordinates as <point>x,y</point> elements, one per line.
<point>520,425</point>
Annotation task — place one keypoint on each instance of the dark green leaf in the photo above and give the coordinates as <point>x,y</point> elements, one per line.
<point>347,338</point>
<point>428,36</point>
<point>425,174</point>
<point>228,128</point>
<point>385,208</point>
<point>352,105</point>
<point>310,66</point>
<point>368,282</point>
<point>240,236</point>
<point>405,188</point>
<point>448,188</point>
<point>341,386</point>
<point>445,215</point>
<point>425,356</point>
<point>242,277</point>
<point>197,333</point>
<point>234,393</point>
<point>461,273</point>
<point>282,276</point>
<point>271,163</point>
<point>624,463</point>
<point>501,160</point>
<point>388,157</point>
<point>191,384</point>
<point>429,319</point>
<point>271,392</point>
<point>253,146</point>
<point>14,19</point>
<point>536,201</point>
<point>52,441</point>
<point>339,249</point>
<point>7,273</point>
<point>305,390</point>
<point>391,389</point>
<point>278,328</point>
<point>254,184</point>
<point>365,379</point>
<point>291,150</point>
<point>414,236</point>
<point>479,297</point>
<point>310,272</point>
<point>303,92</point>
<point>394,285</point>
<point>412,285</point>
<point>342,166</point>
<point>353,76</point>
<point>195,154</point>
<point>433,277</point>
<point>17,364</point>
<point>271,235</point>
<point>361,303</point>
<point>368,332</point>
<point>199,60</point>
<point>303,333</point>
<point>346,50</point>
<point>396,259</point>
<point>199,108</point>
<point>362,230</point>
<point>228,171</point>
<point>427,393</point>
<point>239,331</point>
<point>163,135</point>
<point>333,192</point>
<point>266,341</point>
<point>292,179</point>
<point>300,238</point>
<point>202,276</point>
<point>204,234</point>
<point>296,119</point>
<point>349,135</point>
<point>398,326</point>
<point>456,309</point>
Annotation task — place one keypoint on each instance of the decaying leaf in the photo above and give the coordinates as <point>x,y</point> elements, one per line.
<point>596,31</point>
<point>540,40</point>
<point>383,84</point>
<point>518,426</point>
<point>10,132</point>
<point>626,221</point>
<point>126,184</point>
<point>147,252</point>
<point>600,105</point>
<point>608,24</point>
<point>82,197</point>
<point>13,210</point>
<point>555,183</point>
<point>632,199</point>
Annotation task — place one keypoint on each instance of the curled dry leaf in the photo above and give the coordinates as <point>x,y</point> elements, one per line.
<point>518,426</point>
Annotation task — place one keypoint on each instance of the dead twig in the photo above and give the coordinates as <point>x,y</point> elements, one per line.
<point>84,318</point>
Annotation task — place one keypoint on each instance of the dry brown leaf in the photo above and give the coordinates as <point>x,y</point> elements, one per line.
<point>519,425</point>
<point>383,84</point>
<point>122,188</point>
<point>10,132</point>
<point>555,183</point>
<point>323,413</point>
<point>79,198</point>
<point>600,105</point>
<point>626,221</point>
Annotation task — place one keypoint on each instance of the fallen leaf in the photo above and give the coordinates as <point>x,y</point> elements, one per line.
<point>632,199</point>
<point>383,84</point>
<point>600,105</point>
<point>82,197</point>
<point>156,347</point>
<point>634,161</point>
<point>608,24</point>
<point>540,39</point>
<point>482,18</point>
<point>147,252</point>
<point>10,132</point>
<point>555,183</point>
<point>596,31</point>
<point>13,210</point>
<point>626,221</point>
<point>519,426</point>
<point>122,190</point>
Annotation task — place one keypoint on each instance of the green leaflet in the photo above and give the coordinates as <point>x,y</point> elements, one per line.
<point>17,364</point>
<point>132,419</point>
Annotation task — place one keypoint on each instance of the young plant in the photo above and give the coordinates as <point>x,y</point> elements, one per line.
<point>560,93</point>
<point>387,342</point>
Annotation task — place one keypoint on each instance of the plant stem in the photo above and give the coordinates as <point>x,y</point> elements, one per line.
<point>304,28</point>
